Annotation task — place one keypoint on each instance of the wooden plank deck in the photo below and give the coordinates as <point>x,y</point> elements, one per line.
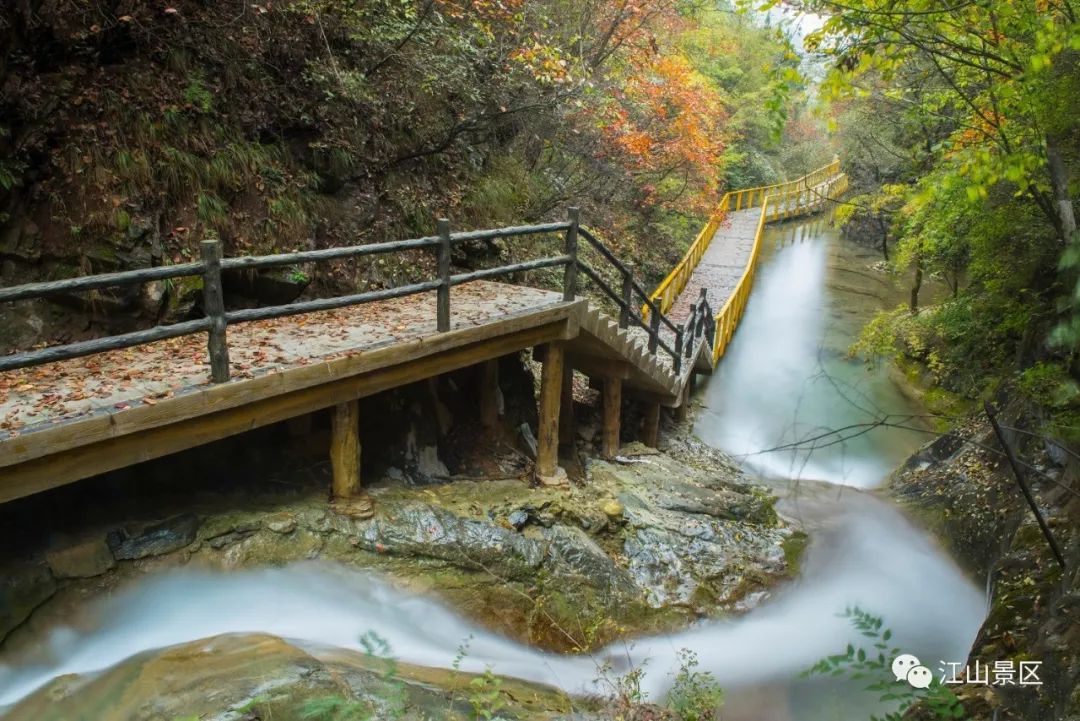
<point>722,264</point>
<point>64,421</point>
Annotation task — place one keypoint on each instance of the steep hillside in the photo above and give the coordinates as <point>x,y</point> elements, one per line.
<point>131,130</point>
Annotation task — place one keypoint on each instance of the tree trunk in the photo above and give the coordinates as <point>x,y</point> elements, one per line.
<point>884,228</point>
<point>1059,180</point>
<point>913,304</point>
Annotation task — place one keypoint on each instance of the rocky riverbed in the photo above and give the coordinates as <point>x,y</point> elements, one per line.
<point>647,542</point>
<point>962,486</point>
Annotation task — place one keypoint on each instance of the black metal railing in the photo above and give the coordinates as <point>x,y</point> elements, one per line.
<point>217,319</point>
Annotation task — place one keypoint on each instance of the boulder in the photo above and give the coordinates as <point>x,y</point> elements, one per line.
<point>574,553</point>
<point>23,587</point>
<point>155,539</point>
<point>419,529</point>
<point>82,559</point>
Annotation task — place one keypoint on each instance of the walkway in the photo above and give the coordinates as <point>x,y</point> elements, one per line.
<point>73,411</point>
<point>723,263</point>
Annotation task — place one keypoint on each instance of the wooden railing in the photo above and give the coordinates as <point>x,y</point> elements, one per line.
<point>217,319</point>
<point>636,306</point>
<point>673,285</point>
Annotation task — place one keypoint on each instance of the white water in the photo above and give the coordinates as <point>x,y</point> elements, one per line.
<point>787,376</point>
<point>867,555</point>
<point>864,552</point>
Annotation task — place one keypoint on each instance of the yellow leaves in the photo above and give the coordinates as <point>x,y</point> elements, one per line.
<point>545,62</point>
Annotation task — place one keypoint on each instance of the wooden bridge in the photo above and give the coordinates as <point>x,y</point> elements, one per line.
<point>73,411</point>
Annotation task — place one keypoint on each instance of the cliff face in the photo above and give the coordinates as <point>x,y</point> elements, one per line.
<point>962,484</point>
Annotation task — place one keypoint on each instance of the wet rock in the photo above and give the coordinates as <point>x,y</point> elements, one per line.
<point>418,529</point>
<point>574,551</point>
<point>529,440</point>
<point>83,559</point>
<point>245,677</point>
<point>281,524</point>
<point>240,523</point>
<point>518,519</point>
<point>156,539</point>
<point>612,508</point>
<point>693,535</point>
<point>23,587</point>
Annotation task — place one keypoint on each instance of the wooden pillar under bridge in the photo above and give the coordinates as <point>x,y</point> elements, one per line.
<point>489,393</point>
<point>551,386</point>
<point>650,426</point>
<point>612,401</point>
<point>347,495</point>
<point>683,409</point>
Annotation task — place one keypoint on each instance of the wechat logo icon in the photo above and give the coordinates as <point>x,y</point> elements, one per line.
<point>907,668</point>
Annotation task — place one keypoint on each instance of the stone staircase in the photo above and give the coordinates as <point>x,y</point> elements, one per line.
<point>647,371</point>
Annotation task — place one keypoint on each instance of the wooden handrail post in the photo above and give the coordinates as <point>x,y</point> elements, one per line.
<point>443,320</point>
<point>570,275</point>
<point>214,306</point>
<point>654,330</point>
<point>627,298</point>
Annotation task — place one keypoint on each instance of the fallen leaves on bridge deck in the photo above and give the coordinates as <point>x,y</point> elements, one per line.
<point>721,266</point>
<point>114,381</point>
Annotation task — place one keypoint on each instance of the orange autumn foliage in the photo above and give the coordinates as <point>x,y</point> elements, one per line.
<point>667,121</point>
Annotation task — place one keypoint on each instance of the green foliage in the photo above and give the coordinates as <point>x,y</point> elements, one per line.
<point>960,145</point>
<point>377,650</point>
<point>695,695</point>
<point>253,704</point>
<point>485,695</point>
<point>197,95</point>
<point>1056,392</point>
<point>874,666</point>
<point>334,708</point>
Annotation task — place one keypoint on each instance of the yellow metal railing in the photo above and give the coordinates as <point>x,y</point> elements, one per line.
<point>777,202</point>
<point>776,206</point>
<point>670,287</point>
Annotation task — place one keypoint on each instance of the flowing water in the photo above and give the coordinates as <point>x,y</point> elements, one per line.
<point>785,378</point>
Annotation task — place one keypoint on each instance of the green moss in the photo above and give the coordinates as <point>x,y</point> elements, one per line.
<point>794,548</point>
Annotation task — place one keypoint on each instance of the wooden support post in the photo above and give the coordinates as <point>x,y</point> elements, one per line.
<point>654,329</point>
<point>489,393</point>
<point>570,274</point>
<point>566,407</point>
<point>345,449</point>
<point>682,411</point>
<point>612,417</point>
<point>443,310</point>
<point>551,380</point>
<point>650,427</point>
<point>214,306</point>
